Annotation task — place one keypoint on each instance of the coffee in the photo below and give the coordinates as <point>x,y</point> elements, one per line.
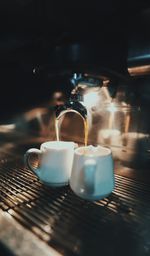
<point>57,129</point>
<point>93,151</point>
<point>85,121</point>
<point>86,131</point>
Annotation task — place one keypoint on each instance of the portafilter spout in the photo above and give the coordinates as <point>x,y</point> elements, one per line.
<point>72,105</point>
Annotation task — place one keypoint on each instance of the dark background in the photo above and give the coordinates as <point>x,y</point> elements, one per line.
<point>40,39</point>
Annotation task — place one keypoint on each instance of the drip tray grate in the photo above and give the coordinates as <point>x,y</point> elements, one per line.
<point>117,225</point>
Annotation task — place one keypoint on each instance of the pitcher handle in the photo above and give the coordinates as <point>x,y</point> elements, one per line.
<point>89,175</point>
<point>32,151</point>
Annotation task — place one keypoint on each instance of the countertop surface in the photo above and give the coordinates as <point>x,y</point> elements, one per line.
<point>39,220</point>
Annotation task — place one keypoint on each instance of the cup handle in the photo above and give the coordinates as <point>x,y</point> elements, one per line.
<point>89,175</point>
<point>27,156</point>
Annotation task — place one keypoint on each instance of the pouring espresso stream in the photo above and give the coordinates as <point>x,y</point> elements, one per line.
<point>75,107</point>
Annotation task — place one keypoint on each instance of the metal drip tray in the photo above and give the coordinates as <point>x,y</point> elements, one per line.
<point>117,225</point>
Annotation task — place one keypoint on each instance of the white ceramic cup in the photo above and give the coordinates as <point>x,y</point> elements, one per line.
<point>92,175</point>
<point>55,162</point>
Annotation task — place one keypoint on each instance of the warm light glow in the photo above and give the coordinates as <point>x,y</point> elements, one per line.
<point>112,107</point>
<point>109,132</point>
<point>140,70</point>
<point>6,128</point>
<point>127,123</point>
<point>90,99</point>
<point>35,113</point>
<point>110,136</point>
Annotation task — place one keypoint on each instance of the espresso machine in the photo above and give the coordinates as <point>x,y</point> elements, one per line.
<point>85,66</point>
<point>114,115</point>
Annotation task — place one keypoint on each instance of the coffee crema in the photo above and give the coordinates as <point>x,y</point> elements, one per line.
<point>93,151</point>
